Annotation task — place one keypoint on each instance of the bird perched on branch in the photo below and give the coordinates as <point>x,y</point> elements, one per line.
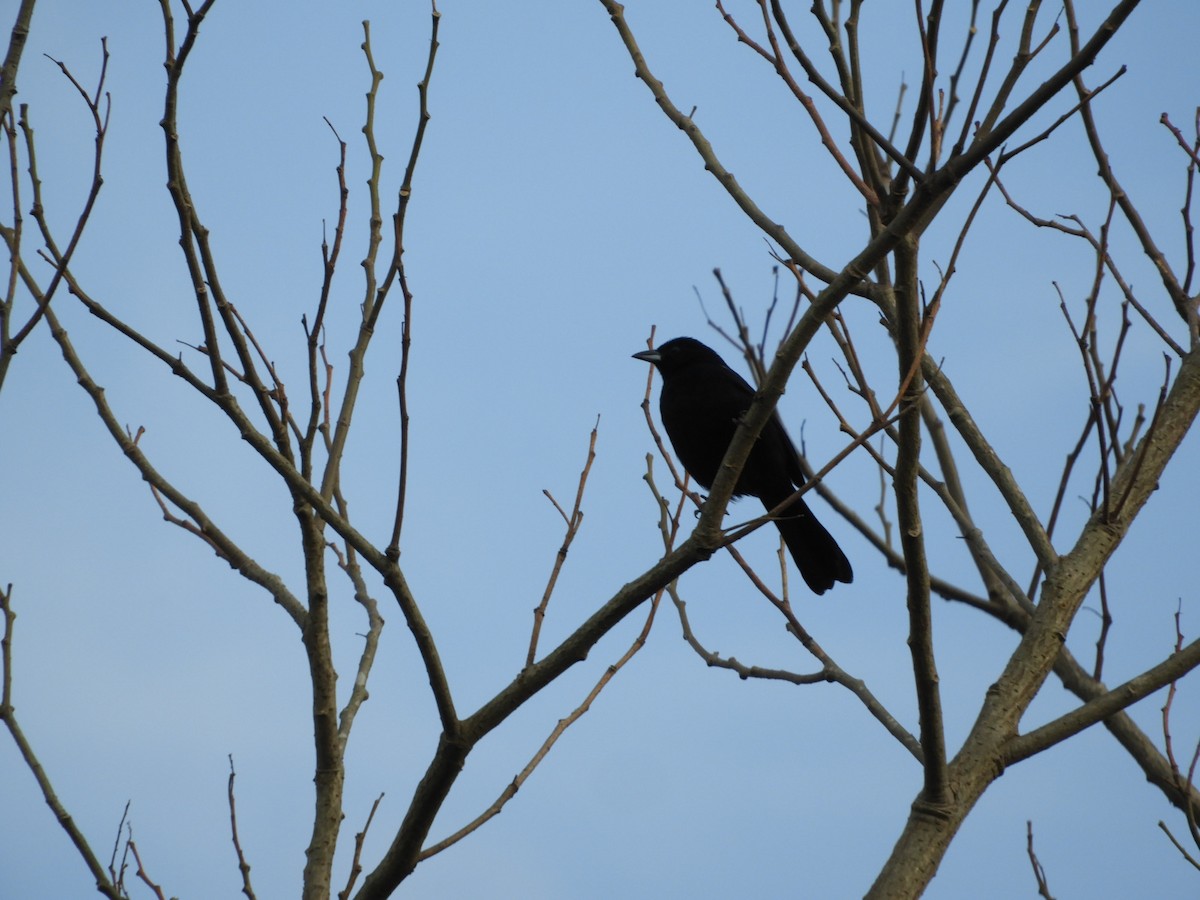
<point>701,403</point>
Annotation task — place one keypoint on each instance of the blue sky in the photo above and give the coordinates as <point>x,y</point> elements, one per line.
<point>557,216</point>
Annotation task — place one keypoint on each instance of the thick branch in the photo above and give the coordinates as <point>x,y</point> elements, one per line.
<point>925,838</point>
<point>912,537</point>
<point>12,59</point>
<point>1170,669</point>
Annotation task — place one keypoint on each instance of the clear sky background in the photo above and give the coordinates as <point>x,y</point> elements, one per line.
<point>557,217</point>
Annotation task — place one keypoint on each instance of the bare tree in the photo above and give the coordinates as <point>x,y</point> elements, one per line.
<point>904,184</point>
<point>964,132</point>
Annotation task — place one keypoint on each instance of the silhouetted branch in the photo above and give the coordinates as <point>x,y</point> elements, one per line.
<point>104,884</point>
<point>521,777</point>
<point>406,189</point>
<point>243,866</point>
<point>1185,782</point>
<point>9,342</point>
<point>356,866</point>
<point>573,523</point>
<point>1039,873</point>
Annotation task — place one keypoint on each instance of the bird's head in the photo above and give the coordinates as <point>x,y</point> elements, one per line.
<point>679,353</point>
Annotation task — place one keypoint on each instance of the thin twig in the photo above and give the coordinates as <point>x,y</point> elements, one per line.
<point>1038,872</point>
<point>356,864</point>
<point>559,729</point>
<point>1184,782</point>
<point>106,884</point>
<point>141,871</point>
<point>398,268</point>
<point>61,259</point>
<point>243,866</point>
<point>573,523</point>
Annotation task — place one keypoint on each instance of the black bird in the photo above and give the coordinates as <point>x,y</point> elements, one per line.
<point>701,404</point>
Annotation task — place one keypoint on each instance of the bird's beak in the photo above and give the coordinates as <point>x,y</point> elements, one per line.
<point>650,356</point>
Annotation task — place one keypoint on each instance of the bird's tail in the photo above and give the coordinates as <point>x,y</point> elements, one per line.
<point>817,555</point>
